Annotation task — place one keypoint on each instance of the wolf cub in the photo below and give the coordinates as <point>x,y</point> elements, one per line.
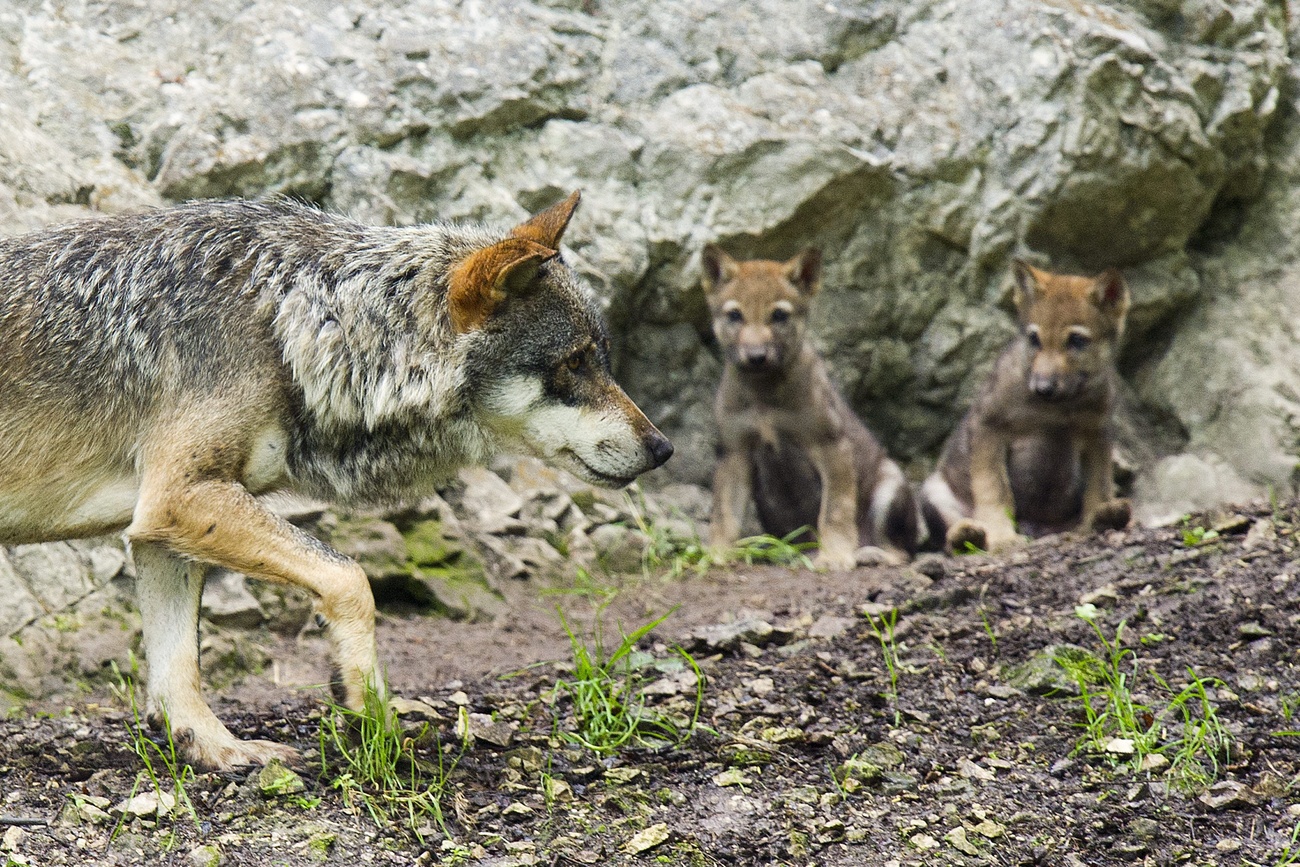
<point>786,436</point>
<point>1033,454</point>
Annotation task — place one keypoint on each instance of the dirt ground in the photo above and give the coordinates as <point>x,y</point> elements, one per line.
<point>962,767</point>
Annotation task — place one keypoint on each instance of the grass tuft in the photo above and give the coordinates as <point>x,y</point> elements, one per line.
<point>1186,730</point>
<point>162,759</point>
<point>605,693</point>
<point>373,762</point>
<point>884,632</point>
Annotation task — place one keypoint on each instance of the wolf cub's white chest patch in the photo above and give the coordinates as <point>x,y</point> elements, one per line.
<point>266,466</point>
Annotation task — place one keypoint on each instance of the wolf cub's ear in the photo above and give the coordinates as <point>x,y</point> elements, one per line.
<point>546,227</point>
<point>718,267</point>
<point>1025,287</point>
<point>479,284</point>
<point>805,270</point>
<point>1110,294</point>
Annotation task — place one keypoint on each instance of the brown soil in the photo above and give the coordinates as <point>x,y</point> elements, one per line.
<point>973,772</point>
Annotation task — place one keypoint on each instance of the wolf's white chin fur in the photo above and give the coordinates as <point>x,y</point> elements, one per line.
<point>597,445</point>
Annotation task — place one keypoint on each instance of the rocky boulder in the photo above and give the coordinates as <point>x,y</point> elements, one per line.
<point>921,143</point>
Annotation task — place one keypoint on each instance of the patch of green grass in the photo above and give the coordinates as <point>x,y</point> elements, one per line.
<point>1201,742</point>
<point>375,765</point>
<point>585,586</point>
<point>605,693</point>
<point>162,760</point>
<point>779,551</point>
<point>884,632</point>
<point>1290,704</point>
<point>668,550</point>
<point>1186,730</point>
<point>1287,857</point>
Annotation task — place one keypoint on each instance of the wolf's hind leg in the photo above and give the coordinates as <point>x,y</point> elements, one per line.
<point>168,592</point>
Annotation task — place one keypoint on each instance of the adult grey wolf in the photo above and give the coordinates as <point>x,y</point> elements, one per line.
<point>786,436</point>
<point>1033,453</point>
<point>159,371</point>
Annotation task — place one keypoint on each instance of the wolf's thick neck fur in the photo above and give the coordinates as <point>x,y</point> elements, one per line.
<point>374,375</point>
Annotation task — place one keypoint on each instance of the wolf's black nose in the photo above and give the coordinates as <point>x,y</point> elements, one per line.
<point>661,449</point>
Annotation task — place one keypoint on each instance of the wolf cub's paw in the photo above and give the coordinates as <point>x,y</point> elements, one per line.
<point>1112,515</point>
<point>967,535</point>
<point>835,560</point>
<point>873,555</point>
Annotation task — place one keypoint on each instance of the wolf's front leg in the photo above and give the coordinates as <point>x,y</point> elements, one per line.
<point>168,592</point>
<point>837,521</point>
<point>219,522</point>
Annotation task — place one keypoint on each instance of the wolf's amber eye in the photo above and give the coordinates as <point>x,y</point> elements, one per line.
<point>575,361</point>
<point>780,315</point>
<point>734,315</point>
<point>1077,341</point>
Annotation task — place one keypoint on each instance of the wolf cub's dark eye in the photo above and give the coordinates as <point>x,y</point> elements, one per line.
<point>734,315</point>
<point>780,315</point>
<point>1077,341</point>
<point>1034,340</point>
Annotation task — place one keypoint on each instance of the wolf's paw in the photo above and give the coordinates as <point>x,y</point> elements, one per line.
<point>1112,515</point>
<point>966,536</point>
<point>234,753</point>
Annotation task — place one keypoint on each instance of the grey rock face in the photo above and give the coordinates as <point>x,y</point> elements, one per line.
<point>921,143</point>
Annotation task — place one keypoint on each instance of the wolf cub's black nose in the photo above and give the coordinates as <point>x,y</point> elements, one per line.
<point>1044,387</point>
<point>661,449</point>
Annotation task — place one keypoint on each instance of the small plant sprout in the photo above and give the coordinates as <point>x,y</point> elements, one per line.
<point>605,694</point>
<point>1194,534</point>
<point>883,629</point>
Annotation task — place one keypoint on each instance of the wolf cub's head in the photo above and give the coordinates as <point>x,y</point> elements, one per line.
<point>1070,326</point>
<point>760,307</point>
<point>540,366</point>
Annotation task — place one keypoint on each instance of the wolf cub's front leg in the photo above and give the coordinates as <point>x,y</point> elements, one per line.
<point>837,521</point>
<point>1101,510</point>
<point>994,504</point>
<point>732,487</point>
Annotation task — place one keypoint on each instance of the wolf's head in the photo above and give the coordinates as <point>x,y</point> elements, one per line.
<point>760,307</point>
<point>1069,327</point>
<point>540,366</point>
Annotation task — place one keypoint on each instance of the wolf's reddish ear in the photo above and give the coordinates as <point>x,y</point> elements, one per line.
<point>547,227</point>
<point>479,284</point>
<point>1026,284</point>
<point>805,270</point>
<point>1110,294</point>
<point>718,267</point>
